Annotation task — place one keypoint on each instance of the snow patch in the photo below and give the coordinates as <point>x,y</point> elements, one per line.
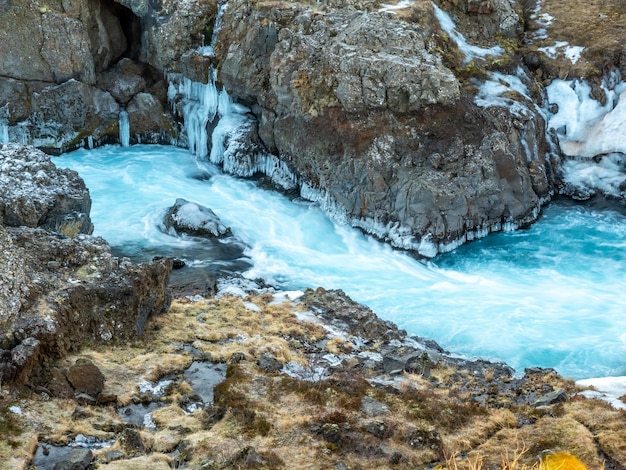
<point>609,389</point>
<point>587,177</point>
<point>493,92</point>
<point>561,47</point>
<point>396,6</point>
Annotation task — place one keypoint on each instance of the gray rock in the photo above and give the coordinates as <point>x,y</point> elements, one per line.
<point>420,364</point>
<point>393,364</point>
<point>131,442</point>
<point>425,439</point>
<point>15,100</point>
<point>92,297</point>
<point>378,429</point>
<point>121,86</point>
<point>35,193</point>
<point>172,29</point>
<point>62,114</point>
<point>372,407</point>
<point>268,363</point>
<point>361,134</point>
<point>149,120</point>
<point>194,219</point>
<point>56,42</point>
<point>75,459</point>
<point>557,396</point>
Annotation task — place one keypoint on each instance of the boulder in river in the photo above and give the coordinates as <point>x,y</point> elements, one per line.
<point>193,219</point>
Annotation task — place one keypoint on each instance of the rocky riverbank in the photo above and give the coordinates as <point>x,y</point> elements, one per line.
<point>254,378</point>
<point>421,123</point>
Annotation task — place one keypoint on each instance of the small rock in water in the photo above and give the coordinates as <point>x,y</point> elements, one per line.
<point>194,219</point>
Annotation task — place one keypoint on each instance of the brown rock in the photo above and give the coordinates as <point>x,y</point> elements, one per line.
<point>85,377</point>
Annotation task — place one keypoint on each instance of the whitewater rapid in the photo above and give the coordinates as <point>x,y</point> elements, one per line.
<point>549,296</point>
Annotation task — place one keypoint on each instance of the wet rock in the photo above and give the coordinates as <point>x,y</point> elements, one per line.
<point>384,181</point>
<point>85,377</point>
<point>203,377</point>
<point>63,114</point>
<point>75,459</point>
<point>557,396</point>
<point>194,219</point>
<point>268,363</point>
<point>148,119</point>
<point>338,309</point>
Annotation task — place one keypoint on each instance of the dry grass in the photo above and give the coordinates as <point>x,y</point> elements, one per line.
<point>597,25</point>
<point>290,422</point>
<point>515,461</point>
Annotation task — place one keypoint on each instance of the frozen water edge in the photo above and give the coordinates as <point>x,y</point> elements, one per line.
<point>204,104</point>
<point>590,135</point>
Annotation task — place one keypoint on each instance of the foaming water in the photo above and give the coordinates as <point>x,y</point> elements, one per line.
<point>550,296</point>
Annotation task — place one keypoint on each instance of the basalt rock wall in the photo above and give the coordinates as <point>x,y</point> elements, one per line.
<point>56,90</point>
<point>368,108</point>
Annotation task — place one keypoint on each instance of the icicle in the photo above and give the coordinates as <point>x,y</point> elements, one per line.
<point>90,142</point>
<point>4,133</point>
<point>124,128</point>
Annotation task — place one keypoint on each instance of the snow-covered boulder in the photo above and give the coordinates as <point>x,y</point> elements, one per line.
<point>194,219</point>
<point>35,193</point>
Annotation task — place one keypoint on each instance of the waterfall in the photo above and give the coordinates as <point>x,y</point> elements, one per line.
<point>209,50</point>
<point>124,128</point>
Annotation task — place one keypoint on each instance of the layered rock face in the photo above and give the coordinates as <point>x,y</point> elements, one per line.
<point>362,105</point>
<point>56,292</point>
<point>55,66</point>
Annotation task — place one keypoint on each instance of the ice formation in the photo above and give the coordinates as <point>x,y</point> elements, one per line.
<point>124,124</point>
<point>469,50</point>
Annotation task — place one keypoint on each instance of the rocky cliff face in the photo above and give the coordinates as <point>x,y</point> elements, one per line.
<point>372,109</point>
<point>55,66</point>
<point>371,106</point>
<point>57,292</point>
